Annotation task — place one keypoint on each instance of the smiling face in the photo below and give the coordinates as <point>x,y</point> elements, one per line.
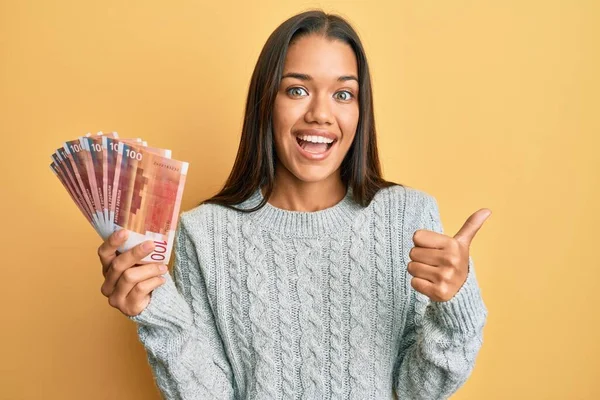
<point>316,109</point>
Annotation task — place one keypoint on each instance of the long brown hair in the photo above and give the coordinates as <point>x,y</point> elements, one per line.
<point>254,165</point>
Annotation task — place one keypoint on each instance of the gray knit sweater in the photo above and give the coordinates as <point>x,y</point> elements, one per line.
<point>279,304</point>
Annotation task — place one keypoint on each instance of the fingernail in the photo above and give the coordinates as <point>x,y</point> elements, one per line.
<point>122,233</point>
<point>147,246</point>
<point>162,267</point>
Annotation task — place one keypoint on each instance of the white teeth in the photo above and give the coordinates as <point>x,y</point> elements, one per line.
<point>315,139</point>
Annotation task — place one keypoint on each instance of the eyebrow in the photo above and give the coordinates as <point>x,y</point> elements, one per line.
<point>306,77</point>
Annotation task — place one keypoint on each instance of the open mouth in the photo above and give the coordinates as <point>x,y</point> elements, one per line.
<point>314,148</point>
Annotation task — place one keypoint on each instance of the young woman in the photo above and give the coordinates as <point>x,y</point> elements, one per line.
<point>308,276</point>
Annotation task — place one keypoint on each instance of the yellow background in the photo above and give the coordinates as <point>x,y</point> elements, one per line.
<point>480,103</point>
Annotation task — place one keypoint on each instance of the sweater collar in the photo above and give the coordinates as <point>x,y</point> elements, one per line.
<point>304,223</point>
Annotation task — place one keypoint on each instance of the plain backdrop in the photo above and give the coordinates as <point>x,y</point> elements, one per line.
<point>479,103</point>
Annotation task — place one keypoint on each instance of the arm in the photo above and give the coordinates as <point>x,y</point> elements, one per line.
<point>441,340</point>
<point>179,333</point>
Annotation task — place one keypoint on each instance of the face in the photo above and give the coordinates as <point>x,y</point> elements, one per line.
<point>316,109</point>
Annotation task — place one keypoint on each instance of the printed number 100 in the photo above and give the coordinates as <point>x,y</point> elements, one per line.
<point>160,248</point>
<point>133,154</point>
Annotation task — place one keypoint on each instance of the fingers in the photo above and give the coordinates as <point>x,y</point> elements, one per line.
<point>139,296</point>
<point>134,277</point>
<point>108,249</point>
<point>430,239</point>
<point>435,292</point>
<point>132,256</point>
<point>429,256</point>
<point>424,271</point>
<point>423,286</point>
<point>472,225</point>
<point>122,262</point>
<point>138,299</point>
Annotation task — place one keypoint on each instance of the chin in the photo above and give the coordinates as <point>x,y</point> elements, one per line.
<point>311,175</point>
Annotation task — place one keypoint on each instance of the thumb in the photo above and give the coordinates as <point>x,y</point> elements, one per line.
<point>472,225</point>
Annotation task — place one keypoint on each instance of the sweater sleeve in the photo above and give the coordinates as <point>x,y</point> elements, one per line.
<point>179,333</point>
<point>441,340</point>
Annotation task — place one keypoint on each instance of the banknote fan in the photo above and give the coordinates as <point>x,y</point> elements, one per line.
<point>124,184</point>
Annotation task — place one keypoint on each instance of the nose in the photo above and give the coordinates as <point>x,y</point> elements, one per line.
<point>319,110</point>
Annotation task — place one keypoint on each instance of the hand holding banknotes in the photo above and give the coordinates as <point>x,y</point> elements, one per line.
<point>128,284</point>
<point>131,194</point>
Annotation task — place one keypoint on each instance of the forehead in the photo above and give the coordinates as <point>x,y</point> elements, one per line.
<point>320,57</point>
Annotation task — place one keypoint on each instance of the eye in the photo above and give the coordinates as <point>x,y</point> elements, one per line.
<point>348,96</point>
<point>294,91</point>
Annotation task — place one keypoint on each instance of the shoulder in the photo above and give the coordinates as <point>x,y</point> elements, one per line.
<point>408,208</point>
<point>199,213</point>
<point>407,198</point>
<point>197,221</point>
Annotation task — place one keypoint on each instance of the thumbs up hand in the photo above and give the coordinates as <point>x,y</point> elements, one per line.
<point>440,263</point>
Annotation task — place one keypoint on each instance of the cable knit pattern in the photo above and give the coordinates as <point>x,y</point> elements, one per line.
<point>336,312</point>
<point>236,278</point>
<point>278,304</point>
<point>326,318</point>
<point>359,308</point>
<point>308,264</point>
<point>286,329</point>
<point>296,332</point>
<point>259,310</point>
<point>381,337</point>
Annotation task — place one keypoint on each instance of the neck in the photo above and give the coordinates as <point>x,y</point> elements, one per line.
<point>290,193</point>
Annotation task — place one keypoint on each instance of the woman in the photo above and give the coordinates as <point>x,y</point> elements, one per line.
<point>293,281</point>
